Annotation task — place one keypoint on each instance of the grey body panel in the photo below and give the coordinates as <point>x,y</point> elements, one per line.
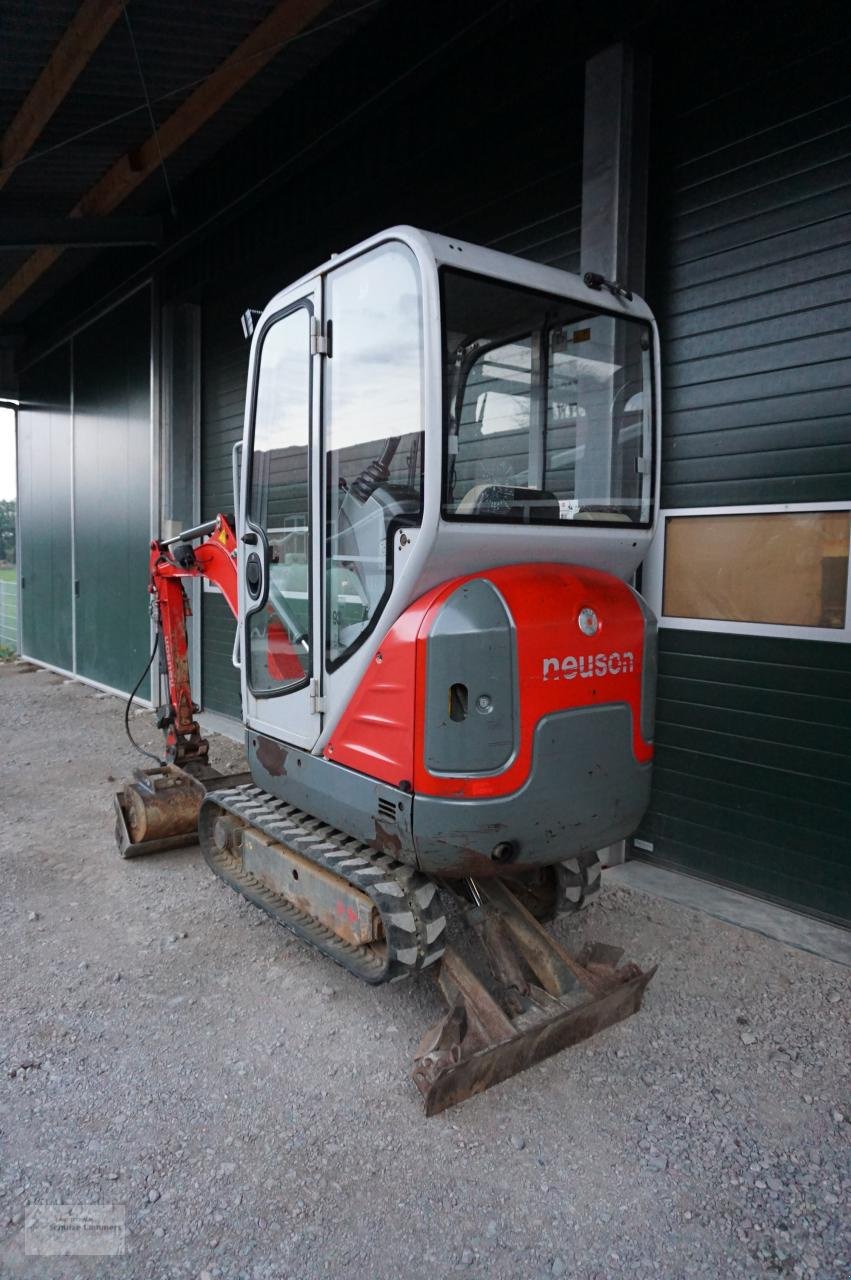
<point>372,811</point>
<point>649,667</point>
<point>585,790</point>
<point>471,648</point>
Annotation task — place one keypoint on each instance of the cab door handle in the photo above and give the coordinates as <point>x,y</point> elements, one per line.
<point>254,575</point>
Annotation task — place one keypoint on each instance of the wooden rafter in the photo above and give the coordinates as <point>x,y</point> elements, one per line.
<point>286,19</point>
<point>92,21</point>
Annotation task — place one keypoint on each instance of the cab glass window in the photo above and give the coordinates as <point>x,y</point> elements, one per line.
<point>373,435</point>
<point>549,413</point>
<point>278,632</point>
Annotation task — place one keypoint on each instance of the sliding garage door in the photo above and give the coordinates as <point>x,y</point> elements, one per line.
<point>44,511</point>
<point>112,501</point>
<point>85,499</point>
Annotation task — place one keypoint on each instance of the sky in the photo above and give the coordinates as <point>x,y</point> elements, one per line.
<point>7,453</point>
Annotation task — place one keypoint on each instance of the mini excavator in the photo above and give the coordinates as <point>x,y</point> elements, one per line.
<point>447,480</point>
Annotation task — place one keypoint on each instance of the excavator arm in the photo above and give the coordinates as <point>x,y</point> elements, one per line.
<point>172,561</point>
<point>159,809</point>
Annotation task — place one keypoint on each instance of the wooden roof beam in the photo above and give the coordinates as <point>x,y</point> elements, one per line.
<point>286,20</point>
<point>92,22</point>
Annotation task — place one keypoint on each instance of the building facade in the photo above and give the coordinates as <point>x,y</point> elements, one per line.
<point>737,181</point>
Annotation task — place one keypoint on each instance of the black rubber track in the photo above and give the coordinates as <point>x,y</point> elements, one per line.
<point>407,901</point>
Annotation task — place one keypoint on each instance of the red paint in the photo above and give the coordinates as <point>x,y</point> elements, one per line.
<point>382,733</point>
<point>214,559</point>
<point>375,735</point>
<point>282,659</point>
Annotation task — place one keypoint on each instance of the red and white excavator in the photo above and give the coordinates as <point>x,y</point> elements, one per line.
<point>448,479</point>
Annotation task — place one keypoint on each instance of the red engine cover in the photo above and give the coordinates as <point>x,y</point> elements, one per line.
<point>559,668</point>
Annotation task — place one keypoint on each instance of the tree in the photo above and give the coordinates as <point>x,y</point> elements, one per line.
<point>7,530</point>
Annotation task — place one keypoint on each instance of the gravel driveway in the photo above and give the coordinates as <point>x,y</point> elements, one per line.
<point>167,1049</point>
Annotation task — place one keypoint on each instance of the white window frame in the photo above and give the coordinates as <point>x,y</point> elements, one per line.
<point>653,576</point>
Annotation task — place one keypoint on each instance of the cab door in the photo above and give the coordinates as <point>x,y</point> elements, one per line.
<point>278,528</point>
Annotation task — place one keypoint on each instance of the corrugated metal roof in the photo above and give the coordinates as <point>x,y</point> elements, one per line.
<point>104,116</point>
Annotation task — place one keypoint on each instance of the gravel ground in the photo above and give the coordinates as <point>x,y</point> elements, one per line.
<point>166,1048</point>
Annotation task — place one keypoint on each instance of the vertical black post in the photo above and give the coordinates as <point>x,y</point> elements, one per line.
<point>614,233</point>
<point>614,165</point>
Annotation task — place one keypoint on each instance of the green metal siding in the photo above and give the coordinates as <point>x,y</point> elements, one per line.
<point>112,446</point>
<point>44,506</point>
<point>94,390</point>
<point>752,781</point>
<point>752,289</point>
<point>225,368</point>
<point>752,785</point>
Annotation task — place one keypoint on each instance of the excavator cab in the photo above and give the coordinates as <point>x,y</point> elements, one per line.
<point>448,477</point>
<point>424,414</point>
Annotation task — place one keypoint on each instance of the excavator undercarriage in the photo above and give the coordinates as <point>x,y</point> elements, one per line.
<point>384,921</point>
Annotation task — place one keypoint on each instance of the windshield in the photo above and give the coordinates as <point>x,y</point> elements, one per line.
<point>549,408</point>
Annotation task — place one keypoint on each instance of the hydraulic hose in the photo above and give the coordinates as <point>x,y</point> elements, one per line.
<point>133,741</point>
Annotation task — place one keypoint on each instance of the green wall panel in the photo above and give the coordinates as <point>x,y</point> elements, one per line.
<point>44,503</point>
<point>225,368</point>
<point>112,432</point>
<point>752,781</point>
<point>752,269</point>
<point>750,278</point>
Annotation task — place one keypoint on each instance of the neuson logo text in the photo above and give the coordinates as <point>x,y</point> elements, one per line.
<point>592,664</point>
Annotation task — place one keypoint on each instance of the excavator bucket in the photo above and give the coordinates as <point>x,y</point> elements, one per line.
<point>485,1038</point>
<point>158,810</point>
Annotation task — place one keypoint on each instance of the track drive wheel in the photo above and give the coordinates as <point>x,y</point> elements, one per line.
<point>558,890</point>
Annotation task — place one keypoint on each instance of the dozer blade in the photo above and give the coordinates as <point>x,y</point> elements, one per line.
<point>477,1044</point>
<point>158,810</point>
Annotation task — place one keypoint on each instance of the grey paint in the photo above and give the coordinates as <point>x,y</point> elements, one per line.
<point>614,165</point>
<point>471,647</point>
<point>649,668</point>
<point>373,812</point>
<point>585,790</point>
<point>614,213</point>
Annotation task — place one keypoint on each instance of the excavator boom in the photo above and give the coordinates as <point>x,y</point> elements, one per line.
<point>159,809</point>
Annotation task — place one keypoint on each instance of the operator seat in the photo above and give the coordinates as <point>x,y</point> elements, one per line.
<point>505,501</point>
